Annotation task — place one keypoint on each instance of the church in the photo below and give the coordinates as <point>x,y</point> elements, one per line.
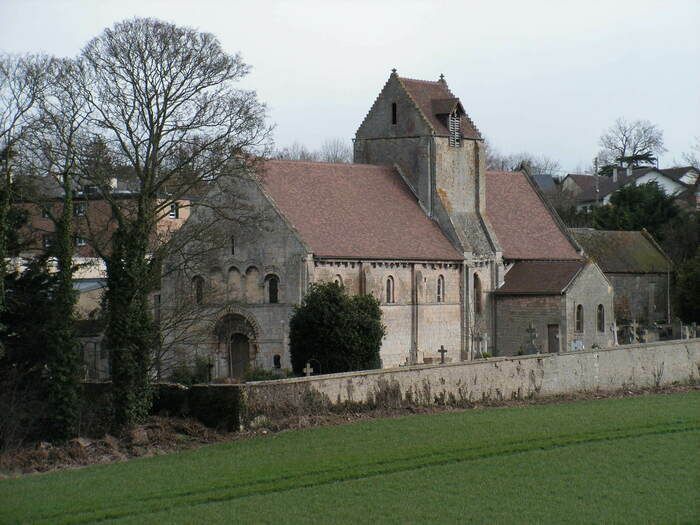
<point>472,261</point>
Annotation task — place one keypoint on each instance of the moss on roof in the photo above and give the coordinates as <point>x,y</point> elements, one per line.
<point>622,251</point>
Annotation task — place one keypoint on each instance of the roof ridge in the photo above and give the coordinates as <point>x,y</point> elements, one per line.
<point>324,163</point>
<point>420,80</point>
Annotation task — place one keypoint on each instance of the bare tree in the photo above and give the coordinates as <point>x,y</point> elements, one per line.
<point>296,151</point>
<point>22,82</point>
<point>536,164</point>
<point>631,143</point>
<point>164,103</point>
<point>336,150</point>
<point>692,157</point>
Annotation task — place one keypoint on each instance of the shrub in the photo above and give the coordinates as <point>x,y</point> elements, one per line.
<point>185,374</point>
<point>335,332</point>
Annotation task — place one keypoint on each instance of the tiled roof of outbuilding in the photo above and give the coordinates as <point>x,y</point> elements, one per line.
<point>524,226</point>
<point>622,251</point>
<point>540,277</point>
<point>432,98</point>
<point>354,211</point>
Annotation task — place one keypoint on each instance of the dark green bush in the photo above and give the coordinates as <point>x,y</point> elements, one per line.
<point>335,332</point>
<point>186,374</point>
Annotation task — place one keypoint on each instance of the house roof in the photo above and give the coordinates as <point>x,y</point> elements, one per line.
<point>354,211</point>
<point>544,181</point>
<point>434,98</point>
<point>540,277</point>
<point>622,251</point>
<point>524,225</point>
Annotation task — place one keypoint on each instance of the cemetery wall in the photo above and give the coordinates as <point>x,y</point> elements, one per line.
<point>500,378</point>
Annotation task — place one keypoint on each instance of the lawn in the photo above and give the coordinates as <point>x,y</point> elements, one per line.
<point>631,460</point>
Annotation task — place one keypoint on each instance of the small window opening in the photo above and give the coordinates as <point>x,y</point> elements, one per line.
<point>393,112</point>
<point>601,318</point>
<point>338,280</point>
<point>441,289</point>
<point>277,361</point>
<point>233,245</point>
<point>579,318</point>
<point>477,295</point>
<point>198,283</point>
<point>80,242</point>
<point>272,289</point>
<point>390,290</point>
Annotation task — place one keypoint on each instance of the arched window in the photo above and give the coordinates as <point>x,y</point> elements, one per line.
<point>477,294</point>
<point>198,285</point>
<point>601,318</point>
<point>338,280</point>
<point>272,283</point>
<point>441,289</point>
<point>579,318</point>
<point>390,290</point>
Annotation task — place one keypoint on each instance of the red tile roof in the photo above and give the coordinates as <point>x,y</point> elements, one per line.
<point>432,97</point>
<point>524,226</point>
<point>540,277</point>
<point>354,211</point>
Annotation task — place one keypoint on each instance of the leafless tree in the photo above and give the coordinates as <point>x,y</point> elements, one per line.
<point>164,103</point>
<point>22,82</point>
<point>336,150</point>
<point>537,164</point>
<point>631,143</point>
<point>296,151</point>
<point>692,157</point>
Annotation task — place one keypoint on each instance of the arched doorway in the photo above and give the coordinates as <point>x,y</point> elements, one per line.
<point>235,337</point>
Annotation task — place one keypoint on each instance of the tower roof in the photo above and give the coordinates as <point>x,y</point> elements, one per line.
<point>434,98</point>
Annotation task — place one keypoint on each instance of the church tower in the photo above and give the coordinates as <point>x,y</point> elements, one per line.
<point>422,129</point>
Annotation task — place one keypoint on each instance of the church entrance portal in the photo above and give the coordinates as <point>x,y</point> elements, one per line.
<point>235,345</point>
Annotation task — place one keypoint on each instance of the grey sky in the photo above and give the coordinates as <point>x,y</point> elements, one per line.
<point>544,77</point>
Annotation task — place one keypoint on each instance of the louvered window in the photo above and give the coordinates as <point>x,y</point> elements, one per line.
<point>455,132</point>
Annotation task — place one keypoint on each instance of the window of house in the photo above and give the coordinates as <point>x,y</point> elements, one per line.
<point>390,290</point>
<point>233,245</point>
<point>601,318</point>
<point>393,112</point>
<point>478,307</point>
<point>441,289</point>
<point>79,209</point>
<point>80,242</point>
<point>455,131</point>
<point>198,285</point>
<point>272,282</point>
<point>579,318</point>
<point>174,211</point>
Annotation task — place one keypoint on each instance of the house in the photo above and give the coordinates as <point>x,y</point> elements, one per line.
<point>416,221</point>
<point>637,268</point>
<point>594,190</point>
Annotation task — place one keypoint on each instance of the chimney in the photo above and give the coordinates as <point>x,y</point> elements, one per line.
<point>614,176</point>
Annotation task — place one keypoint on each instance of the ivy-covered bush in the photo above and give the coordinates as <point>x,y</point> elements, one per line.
<point>335,332</point>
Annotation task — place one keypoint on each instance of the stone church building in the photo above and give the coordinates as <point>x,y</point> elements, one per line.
<point>472,261</point>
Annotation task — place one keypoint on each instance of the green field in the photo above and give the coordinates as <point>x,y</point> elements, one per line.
<point>632,460</point>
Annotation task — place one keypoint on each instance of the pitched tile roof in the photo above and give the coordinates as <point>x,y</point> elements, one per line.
<point>622,251</point>
<point>540,277</point>
<point>432,98</point>
<point>524,225</point>
<point>354,211</point>
<point>605,185</point>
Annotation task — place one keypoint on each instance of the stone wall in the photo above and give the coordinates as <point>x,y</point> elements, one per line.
<point>514,315</point>
<point>643,297</point>
<point>626,367</point>
<point>590,289</point>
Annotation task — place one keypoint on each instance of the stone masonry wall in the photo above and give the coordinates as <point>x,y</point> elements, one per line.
<point>514,315</point>
<point>644,296</point>
<point>626,367</point>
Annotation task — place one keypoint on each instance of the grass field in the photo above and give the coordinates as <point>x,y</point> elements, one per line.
<point>632,460</point>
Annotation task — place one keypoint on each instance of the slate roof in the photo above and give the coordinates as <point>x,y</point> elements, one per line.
<point>433,99</point>
<point>544,181</point>
<point>540,277</point>
<point>524,225</point>
<point>622,251</point>
<point>354,211</point>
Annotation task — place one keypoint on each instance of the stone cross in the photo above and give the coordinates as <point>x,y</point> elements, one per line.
<point>308,370</point>
<point>442,353</point>
<point>532,337</point>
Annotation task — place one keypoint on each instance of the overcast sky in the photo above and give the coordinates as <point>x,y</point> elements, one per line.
<point>543,77</point>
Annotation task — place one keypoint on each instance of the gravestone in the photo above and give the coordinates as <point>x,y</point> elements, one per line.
<point>531,346</point>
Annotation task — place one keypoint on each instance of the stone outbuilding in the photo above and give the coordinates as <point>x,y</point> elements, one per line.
<point>637,268</point>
